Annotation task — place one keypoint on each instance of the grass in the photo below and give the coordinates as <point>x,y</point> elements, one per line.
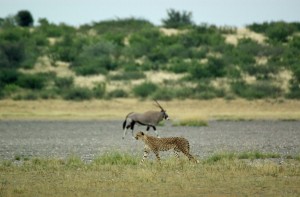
<point>119,174</point>
<point>216,109</point>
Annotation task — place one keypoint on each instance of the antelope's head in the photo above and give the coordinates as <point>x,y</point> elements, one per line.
<point>165,115</point>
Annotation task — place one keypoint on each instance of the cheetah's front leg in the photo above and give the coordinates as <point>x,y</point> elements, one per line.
<point>157,156</point>
<point>146,153</point>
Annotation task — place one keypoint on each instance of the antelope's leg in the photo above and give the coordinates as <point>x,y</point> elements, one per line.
<point>124,133</point>
<point>156,132</point>
<point>132,127</point>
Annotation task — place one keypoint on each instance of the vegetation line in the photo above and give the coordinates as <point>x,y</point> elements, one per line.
<point>120,59</point>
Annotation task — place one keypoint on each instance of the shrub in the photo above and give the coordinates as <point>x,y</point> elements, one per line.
<point>8,76</point>
<point>183,92</point>
<point>276,31</point>
<point>204,90</point>
<point>99,90</point>
<point>279,31</point>
<point>119,26</point>
<point>117,93</point>
<point>262,72</point>
<point>130,66</point>
<point>294,91</point>
<point>198,71</point>
<point>96,59</point>
<point>32,81</point>
<point>144,43</point>
<point>176,19</point>
<point>78,94</point>
<point>30,96</point>
<point>179,66</point>
<point>215,67</point>
<point>64,82</point>
<point>12,54</point>
<point>145,89</point>
<point>165,94</point>
<point>18,48</point>
<point>48,94</point>
<point>261,89</point>
<point>90,70</point>
<point>53,30</point>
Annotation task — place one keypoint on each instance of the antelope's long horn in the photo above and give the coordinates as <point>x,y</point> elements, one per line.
<point>158,105</point>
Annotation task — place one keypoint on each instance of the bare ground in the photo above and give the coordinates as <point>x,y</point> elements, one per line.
<point>88,139</point>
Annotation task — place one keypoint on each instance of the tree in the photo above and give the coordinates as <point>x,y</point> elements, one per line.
<point>24,18</point>
<point>176,19</point>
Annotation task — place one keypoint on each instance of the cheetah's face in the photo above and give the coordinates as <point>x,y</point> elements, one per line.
<point>139,135</point>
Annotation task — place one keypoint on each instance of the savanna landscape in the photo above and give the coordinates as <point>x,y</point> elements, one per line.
<point>232,92</point>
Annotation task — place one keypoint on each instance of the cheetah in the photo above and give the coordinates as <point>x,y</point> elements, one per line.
<point>178,144</point>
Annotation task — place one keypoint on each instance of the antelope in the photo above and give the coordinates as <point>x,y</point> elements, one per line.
<point>149,119</point>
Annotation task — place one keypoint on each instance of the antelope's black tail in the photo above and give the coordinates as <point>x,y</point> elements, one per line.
<point>125,121</point>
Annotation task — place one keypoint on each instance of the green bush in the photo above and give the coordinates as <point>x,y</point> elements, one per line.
<point>18,48</point>
<point>118,26</point>
<point>294,89</point>
<point>8,76</point>
<point>53,30</point>
<point>118,93</point>
<point>145,89</point>
<point>262,72</point>
<point>215,67</point>
<point>130,66</point>
<point>275,31</point>
<point>30,96</point>
<point>64,82</point>
<point>165,94</point>
<point>179,66</point>
<point>99,90</point>
<point>177,19</point>
<point>12,54</point>
<point>96,59</point>
<point>48,94</point>
<point>90,70</point>
<point>32,81</point>
<point>201,36</point>
<point>143,43</point>
<point>10,89</point>
<point>183,92</point>
<point>258,90</point>
<point>78,94</point>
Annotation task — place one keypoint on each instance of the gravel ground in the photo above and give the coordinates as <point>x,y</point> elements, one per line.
<point>89,139</point>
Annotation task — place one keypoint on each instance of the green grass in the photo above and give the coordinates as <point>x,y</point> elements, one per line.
<point>120,174</point>
<point>252,155</point>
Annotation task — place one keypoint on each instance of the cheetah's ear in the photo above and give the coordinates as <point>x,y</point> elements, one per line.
<point>142,132</point>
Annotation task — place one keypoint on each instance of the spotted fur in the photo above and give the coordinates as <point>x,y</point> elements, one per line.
<point>154,144</point>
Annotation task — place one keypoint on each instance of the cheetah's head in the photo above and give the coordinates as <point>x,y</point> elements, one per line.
<point>140,135</point>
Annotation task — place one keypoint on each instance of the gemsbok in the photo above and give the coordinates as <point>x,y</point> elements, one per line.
<point>149,119</point>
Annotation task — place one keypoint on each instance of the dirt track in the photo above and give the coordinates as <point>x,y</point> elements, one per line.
<point>88,139</point>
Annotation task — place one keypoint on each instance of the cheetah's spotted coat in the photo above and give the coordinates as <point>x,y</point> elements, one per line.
<point>178,144</point>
